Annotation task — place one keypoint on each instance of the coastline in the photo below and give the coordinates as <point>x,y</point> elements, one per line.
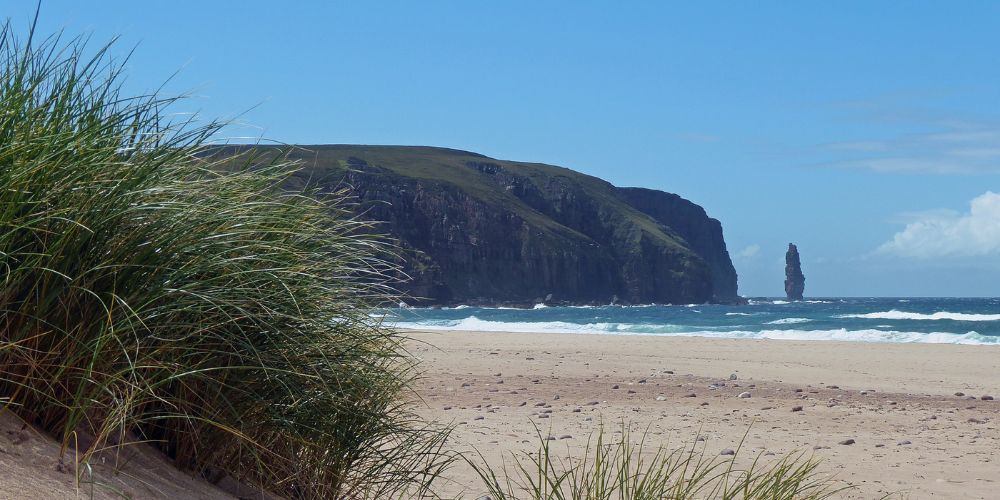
<point>879,394</point>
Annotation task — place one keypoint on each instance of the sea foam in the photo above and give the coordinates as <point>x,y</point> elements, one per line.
<point>940,315</point>
<point>788,321</point>
<point>473,323</point>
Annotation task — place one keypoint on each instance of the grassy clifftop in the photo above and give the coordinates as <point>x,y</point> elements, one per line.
<point>480,230</point>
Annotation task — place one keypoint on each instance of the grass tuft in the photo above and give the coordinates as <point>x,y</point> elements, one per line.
<point>619,468</point>
<point>149,293</point>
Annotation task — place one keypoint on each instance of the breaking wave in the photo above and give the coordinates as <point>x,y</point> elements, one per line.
<point>473,323</point>
<point>788,321</point>
<point>941,315</point>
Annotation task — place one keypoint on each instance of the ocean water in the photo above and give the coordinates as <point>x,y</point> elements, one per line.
<point>928,320</point>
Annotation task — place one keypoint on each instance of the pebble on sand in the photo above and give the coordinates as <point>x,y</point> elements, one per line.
<point>846,442</point>
<point>986,398</point>
<point>661,398</point>
<point>744,395</point>
<point>796,408</point>
<point>727,452</point>
<point>903,442</point>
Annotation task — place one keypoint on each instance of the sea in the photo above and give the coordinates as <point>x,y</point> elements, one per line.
<point>973,321</point>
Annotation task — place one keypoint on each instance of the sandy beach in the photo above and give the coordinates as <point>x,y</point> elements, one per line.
<point>912,434</point>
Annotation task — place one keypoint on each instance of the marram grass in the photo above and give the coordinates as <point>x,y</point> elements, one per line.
<point>615,467</point>
<point>145,295</point>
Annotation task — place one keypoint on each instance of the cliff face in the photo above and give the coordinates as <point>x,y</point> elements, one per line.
<point>795,281</point>
<point>476,230</point>
<point>702,233</point>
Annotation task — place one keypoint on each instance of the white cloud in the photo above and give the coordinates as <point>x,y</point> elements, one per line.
<point>947,234</point>
<point>749,252</point>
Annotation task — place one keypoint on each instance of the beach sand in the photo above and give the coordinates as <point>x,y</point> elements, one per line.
<point>913,435</point>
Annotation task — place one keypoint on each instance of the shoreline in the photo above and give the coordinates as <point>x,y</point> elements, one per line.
<point>879,394</point>
<point>777,335</point>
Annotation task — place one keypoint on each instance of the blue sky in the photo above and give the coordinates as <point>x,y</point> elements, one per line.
<point>867,133</point>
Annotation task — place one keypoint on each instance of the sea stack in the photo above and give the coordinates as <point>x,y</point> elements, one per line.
<point>795,281</point>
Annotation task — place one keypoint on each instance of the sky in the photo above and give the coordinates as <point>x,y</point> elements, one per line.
<point>868,133</point>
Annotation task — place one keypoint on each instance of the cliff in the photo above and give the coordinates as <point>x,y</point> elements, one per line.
<point>477,230</point>
<point>795,281</point>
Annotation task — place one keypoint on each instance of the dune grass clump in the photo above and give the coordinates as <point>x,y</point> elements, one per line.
<point>616,468</point>
<point>151,292</point>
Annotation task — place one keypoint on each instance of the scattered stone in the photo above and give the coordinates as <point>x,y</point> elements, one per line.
<point>556,397</point>
<point>732,376</point>
<point>668,372</point>
<point>880,445</point>
<point>970,397</point>
<point>846,442</point>
<point>728,452</point>
<point>543,415</point>
<point>466,384</point>
<point>523,403</point>
<point>447,407</point>
<point>690,395</point>
<point>642,381</point>
<point>976,421</point>
<point>903,442</point>
<point>796,408</point>
<point>565,436</point>
<point>661,398</point>
<point>704,403</point>
<point>798,390</point>
<point>614,386</point>
<point>890,402</point>
<point>960,394</point>
<point>744,395</point>
<point>818,447</point>
<point>577,410</point>
<point>480,417</point>
<point>529,358</point>
<point>540,403</point>
<point>833,387</point>
<point>630,391</point>
<point>593,403</point>
<point>701,438</point>
<point>987,398</point>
